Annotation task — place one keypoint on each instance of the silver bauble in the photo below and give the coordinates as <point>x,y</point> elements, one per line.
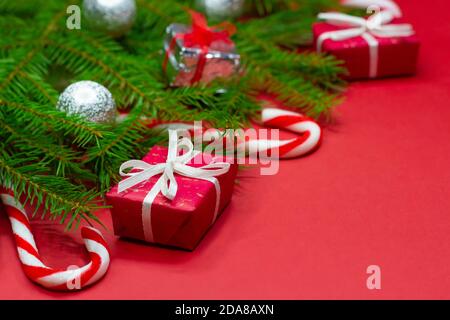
<point>221,9</point>
<point>90,100</point>
<point>114,17</point>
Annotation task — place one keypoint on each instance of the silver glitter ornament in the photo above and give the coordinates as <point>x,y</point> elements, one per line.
<point>221,9</point>
<point>90,100</point>
<point>114,17</point>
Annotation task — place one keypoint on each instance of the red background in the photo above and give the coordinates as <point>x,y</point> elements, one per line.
<point>376,192</point>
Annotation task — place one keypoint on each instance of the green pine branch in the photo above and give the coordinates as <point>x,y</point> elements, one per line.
<point>71,203</point>
<point>65,163</point>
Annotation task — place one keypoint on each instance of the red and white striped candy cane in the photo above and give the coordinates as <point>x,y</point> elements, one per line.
<point>37,271</point>
<point>310,134</point>
<point>308,140</point>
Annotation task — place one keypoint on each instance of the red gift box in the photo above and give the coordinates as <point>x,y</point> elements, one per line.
<point>181,222</point>
<point>372,53</point>
<point>199,53</point>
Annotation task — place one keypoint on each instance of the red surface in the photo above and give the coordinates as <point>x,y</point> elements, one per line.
<point>376,192</point>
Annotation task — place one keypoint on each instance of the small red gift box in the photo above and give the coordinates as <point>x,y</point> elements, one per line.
<point>371,48</point>
<point>180,222</point>
<point>199,53</point>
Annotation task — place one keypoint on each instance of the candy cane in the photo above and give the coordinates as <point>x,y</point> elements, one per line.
<point>37,271</point>
<point>309,139</point>
<point>310,134</point>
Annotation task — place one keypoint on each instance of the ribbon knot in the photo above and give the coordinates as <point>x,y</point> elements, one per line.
<point>373,24</point>
<point>377,25</point>
<point>203,35</point>
<point>389,5</point>
<point>140,171</point>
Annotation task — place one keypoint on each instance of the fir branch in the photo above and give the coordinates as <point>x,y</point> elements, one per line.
<point>84,132</point>
<point>18,67</point>
<point>48,154</point>
<point>26,142</point>
<point>42,87</point>
<point>26,177</point>
<point>130,90</point>
<point>118,147</point>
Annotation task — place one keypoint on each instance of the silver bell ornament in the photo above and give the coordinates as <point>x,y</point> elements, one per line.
<point>114,17</point>
<point>90,100</point>
<point>221,9</point>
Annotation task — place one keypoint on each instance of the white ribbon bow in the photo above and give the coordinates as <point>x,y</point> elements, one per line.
<point>167,183</point>
<point>384,4</point>
<point>175,163</point>
<point>376,25</point>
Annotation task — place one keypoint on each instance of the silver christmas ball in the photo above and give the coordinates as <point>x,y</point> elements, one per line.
<point>114,17</point>
<point>90,100</point>
<point>222,9</point>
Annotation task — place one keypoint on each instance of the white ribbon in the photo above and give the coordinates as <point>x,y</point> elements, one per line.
<point>167,183</point>
<point>385,4</point>
<point>376,25</point>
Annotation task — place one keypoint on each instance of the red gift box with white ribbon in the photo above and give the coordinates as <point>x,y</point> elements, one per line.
<point>377,47</point>
<point>170,198</point>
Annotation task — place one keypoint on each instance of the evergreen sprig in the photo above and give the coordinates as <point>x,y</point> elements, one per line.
<point>65,163</point>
